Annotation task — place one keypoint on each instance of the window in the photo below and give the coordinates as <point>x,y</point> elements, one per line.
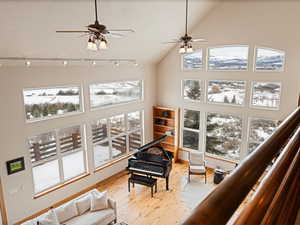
<point>266,95</point>
<point>44,103</point>
<point>226,92</point>
<point>116,136</point>
<point>267,59</point>
<point>191,129</point>
<point>192,90</point>
<point>223,135</point>
<point>56,157</point>
<point>106,94</point>
<point>228,58</point>
<point>259,131</point>
<point>192,61</point>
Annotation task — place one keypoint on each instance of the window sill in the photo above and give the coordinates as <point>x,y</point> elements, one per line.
<point>60,186</point>
<point>113,162</point>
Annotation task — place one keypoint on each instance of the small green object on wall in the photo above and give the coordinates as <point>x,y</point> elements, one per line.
<point>15,165</point>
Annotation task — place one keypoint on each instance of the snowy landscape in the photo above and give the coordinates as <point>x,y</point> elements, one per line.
<point>269,60</point>
<point>192,90</point>
<point>228,92</point>
<point>47,102</point>
<point>228,58</point>
<point>192,60</point>
<point>260,130</point>
<point>115,93</point>
<point>266,94</point>
<point>190,139</point>
<point>223,135</point>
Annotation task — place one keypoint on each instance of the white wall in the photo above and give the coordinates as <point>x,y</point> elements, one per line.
<point>18,188</point>
<point>263,23</point>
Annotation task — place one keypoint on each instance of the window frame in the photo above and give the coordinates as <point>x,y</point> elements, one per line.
<point>265,107</point>
<point>59,157</point>
<point>110,138</point>
<point>241,140</point>
<point>81,103</point>
<point>222,103</point>
<point>268,71</point>
<point>230,70</point>
<point>190,129</point>
<point>94,108</point>
<point>202,89</point>
<point>193,69</point>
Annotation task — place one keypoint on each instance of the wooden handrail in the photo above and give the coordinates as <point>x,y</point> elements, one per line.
<point>222,202</point>
<point>282,209</point>
<point>257,207</point>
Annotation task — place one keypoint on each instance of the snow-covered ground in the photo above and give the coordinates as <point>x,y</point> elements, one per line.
<point>104,100</point>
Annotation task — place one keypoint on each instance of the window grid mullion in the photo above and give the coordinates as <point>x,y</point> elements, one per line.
<point>59,157</point>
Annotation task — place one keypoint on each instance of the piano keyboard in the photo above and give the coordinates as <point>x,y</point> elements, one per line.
<point>145,171</point>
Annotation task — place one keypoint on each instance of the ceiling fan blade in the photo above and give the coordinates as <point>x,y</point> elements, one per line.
<point>121,30</point>
<point>114,35</point>
<point>171,42</point>
<point>72,31</point>
<point>199,40</point>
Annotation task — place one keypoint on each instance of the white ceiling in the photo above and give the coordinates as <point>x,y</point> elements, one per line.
<point>28,27</point>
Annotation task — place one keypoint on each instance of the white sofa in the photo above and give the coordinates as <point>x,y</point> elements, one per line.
<point>79,212</point>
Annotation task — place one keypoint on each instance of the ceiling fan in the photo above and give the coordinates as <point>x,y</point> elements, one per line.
<point>98,33</point>
<point>186,40</point>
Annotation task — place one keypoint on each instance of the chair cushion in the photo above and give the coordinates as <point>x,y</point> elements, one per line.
<point>66,211</point>
<point>104,217</point>
<point>49,218</point>
<point>197,169</point>
<point>196,158</point>
<point>98,201</point>
<point>83,203</point>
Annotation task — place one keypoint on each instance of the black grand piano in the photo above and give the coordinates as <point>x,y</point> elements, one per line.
<point>152,160</point>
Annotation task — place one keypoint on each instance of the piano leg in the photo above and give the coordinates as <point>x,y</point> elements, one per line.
<point>167,183</point>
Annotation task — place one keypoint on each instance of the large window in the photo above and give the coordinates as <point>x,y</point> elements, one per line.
<point>57,157</point>
<point>267,59</point>
<point>266,95</point>
<point>192,90</point>
<point>192,61</point>
<point>43,103</point>
<point>224,135</point>
<point>259,131</point>
<point>191,129</point>
<point>228,58</point>
<point>226,92</point>
<point>116,136</point>
<point>106,94</point>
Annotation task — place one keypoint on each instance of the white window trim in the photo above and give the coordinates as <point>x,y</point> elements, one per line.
<point>95,108</point>
<point>59,157</point>
<point>81,104</point>
<point>222,103</point>
<point>268,71</point>
<point>193,69</point>
<point>231,70</point>
<point>202,89</point>
<point>265,107</point>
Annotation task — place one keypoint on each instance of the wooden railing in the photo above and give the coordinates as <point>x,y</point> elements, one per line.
<point>272,196</point>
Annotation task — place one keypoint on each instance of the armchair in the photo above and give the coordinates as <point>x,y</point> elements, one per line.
<point>197,164</point>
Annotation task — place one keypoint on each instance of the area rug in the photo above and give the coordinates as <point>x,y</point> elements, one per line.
<point>195,192</point>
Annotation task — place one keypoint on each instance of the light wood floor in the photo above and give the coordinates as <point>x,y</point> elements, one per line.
<point>165,208</point>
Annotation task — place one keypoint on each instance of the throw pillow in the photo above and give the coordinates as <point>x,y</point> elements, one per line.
<point>83,204</point>
<point>98,201</point>
<point>48,218</point>
<point>66,211</point>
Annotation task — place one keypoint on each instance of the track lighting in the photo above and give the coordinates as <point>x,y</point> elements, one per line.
<point>28,63</point>
<point>135,64</point>
<point>117,63</point>
<point>65,63</point>
<point>94,63</point>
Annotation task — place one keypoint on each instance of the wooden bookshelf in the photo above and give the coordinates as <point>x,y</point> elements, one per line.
<point>166,119</point>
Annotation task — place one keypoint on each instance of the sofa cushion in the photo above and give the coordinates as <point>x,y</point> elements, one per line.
<point>49,218</point>
<point>104,217</point>
<point>197,169</point>
<point>83,203</point>
<point>98,201</point>
<point>66,211</point>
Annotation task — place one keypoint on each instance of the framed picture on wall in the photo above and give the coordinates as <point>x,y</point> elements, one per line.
<point>15,165</point>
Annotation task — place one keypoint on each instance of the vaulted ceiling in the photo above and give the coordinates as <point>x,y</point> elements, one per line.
<point>28,27</point>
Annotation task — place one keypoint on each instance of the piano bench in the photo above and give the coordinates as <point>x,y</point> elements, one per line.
<point>143,180</point>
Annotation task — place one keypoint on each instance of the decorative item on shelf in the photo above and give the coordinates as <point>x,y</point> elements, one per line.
<point>15,165</point>
<point>159,122</point>
<point>165,114</point>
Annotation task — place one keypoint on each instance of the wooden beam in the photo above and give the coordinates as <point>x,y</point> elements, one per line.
<point>2,206</point>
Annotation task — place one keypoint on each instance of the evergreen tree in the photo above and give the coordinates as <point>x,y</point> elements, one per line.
<point>226,100</point>
<point>194,92</point>
<point>233,101</point>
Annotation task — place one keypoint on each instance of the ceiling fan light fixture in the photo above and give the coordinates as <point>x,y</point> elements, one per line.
<point>103,44</point>
<point>92,45</point>
<point>189,49</point>
<point>182,49</point>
